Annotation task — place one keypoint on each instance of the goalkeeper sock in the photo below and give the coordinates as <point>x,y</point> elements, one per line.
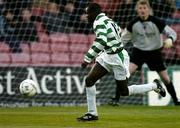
<point>91,100</point>
<point>139,89</point>
<point>172,92</point>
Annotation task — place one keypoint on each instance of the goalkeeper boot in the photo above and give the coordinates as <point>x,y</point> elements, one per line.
<point>177,103</point>
<point>113,102</point>
<point>160,90</point>
<point>88,117</point>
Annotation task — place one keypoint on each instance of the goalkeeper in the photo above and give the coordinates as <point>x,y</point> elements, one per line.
<point>145,34</point>
<point>112,57</point>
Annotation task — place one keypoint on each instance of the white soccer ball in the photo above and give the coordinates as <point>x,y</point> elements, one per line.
<point>28,87</point>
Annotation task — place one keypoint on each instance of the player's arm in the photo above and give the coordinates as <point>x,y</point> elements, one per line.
<point>171,36</point>
<point>98,44</point>
<point>166,30</point>
<point>126,36</point>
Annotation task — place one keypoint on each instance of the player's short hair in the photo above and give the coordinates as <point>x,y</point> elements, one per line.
<point>94,8</point>
<point>143,2</point>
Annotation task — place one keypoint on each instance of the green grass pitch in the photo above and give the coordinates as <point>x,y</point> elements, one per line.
<point>110,117</point>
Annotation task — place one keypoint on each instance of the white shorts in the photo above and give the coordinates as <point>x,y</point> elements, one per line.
<point>118,63</point>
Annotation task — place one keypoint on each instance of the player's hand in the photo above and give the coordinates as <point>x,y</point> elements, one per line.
<point>84,64</point>
<point>168,43</point>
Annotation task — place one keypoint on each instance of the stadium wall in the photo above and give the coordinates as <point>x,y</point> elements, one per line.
<point>64,86</point>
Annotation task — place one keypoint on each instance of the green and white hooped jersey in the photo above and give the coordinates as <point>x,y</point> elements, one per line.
<point>108,37</point>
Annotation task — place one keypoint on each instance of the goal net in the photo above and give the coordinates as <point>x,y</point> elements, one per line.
<point>45,40</point>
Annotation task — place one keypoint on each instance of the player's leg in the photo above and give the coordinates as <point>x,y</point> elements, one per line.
<point>169,85</point>
<point>121,73</point>
<point>121,89</point>
<point>143,88</point>
<point>136,62</point>
<point>95,74</point>
<point>161,70</point>
<point>140,89</point>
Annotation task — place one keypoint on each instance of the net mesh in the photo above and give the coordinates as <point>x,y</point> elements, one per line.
<point>45,40</point>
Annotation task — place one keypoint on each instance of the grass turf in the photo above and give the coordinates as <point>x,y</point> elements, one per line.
<point>110,117</point>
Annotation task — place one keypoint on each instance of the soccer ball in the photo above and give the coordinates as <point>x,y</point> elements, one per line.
<point>28,87</point>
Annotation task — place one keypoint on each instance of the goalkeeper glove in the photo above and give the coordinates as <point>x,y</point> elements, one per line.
<point>168,43</point>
